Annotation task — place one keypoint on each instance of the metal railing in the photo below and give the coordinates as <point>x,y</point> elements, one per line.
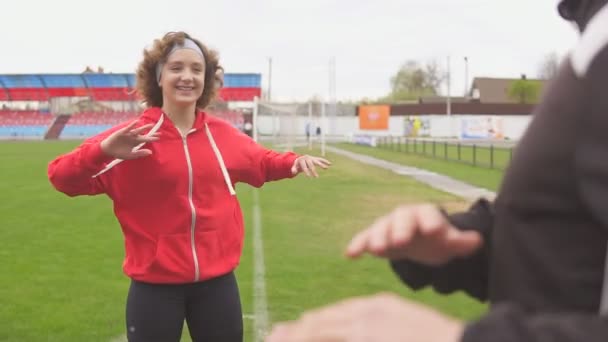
<point>488,154</point>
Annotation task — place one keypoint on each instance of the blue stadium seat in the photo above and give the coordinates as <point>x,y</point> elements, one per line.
<point>83,131</point>
<point>18,132</point>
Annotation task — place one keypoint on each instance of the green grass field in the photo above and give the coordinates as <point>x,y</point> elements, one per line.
<point>61,257</point>
<point>482,177</point>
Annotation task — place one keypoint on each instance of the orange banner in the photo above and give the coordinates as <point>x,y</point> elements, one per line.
<point>374,117</point>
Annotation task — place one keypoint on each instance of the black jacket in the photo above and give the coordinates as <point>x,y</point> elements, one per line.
<point>542,264</point>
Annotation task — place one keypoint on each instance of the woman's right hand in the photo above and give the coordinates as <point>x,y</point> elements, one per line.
<point>125,142</point>
<point>420,233</point>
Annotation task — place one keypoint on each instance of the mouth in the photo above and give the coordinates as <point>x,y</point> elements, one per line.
<point>185,88</point>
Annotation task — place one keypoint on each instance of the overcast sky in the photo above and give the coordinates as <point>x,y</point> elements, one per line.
<point>369,39</point>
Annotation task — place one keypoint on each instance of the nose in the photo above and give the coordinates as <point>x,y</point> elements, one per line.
<point>187,75</point>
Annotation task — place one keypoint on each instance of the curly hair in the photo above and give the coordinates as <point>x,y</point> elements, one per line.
<point>146,83</point>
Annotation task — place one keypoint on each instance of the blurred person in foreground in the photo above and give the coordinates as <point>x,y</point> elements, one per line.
<point>538,253</point>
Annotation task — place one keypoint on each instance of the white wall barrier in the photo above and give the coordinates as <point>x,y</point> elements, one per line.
<point>503,127</point>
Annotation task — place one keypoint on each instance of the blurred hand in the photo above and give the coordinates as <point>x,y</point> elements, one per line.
<point>384,317</point>
<point>418,232</point>
<point>125,142</point>
<point>307,164</point>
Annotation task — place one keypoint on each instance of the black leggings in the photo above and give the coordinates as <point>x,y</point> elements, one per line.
<point>212,309</point>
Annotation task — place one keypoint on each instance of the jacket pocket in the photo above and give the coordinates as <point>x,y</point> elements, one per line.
<point>210,252</point>
<point>173,259</point>
<point>235,244</point>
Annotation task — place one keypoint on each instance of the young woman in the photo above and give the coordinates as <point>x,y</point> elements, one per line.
<point>171,176</point>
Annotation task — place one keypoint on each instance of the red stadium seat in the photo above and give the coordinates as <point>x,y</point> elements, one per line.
<point>28,94</point>
<point>240,94</point>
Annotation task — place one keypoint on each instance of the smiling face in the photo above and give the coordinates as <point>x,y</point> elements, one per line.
<point>158,74</point>
<point>183,78</point>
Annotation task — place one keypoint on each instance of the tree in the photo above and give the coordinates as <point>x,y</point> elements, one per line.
<point>414,80</point>
<point>525,91</point>
<point>549,66</point>
<point>434,75</point>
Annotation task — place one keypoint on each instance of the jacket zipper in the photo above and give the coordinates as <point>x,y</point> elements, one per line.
<point>193,210</point>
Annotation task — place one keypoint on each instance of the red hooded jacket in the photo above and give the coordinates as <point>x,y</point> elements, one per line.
<point>177,208</point>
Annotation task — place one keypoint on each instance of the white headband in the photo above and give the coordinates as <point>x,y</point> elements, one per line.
<point>188,44</point>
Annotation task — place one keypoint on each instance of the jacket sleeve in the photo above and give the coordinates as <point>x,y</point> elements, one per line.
<point>468,274</point>
<point>72,173</point>
<point>507,323</point>
<point>591,164</point>
<point>263,165</point>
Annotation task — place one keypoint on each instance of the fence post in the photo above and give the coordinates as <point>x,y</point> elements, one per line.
<point>474,154</point>
<point>445,150</point>
<point>491,156</point>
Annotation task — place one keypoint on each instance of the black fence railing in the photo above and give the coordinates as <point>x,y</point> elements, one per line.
<point>487,154</point>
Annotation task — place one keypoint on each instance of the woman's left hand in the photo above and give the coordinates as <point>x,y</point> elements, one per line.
<point>308,164</point>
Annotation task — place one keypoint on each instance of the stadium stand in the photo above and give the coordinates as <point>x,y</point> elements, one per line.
<point>96,101</point>
<point>82,125</point>
<point>24,124</point>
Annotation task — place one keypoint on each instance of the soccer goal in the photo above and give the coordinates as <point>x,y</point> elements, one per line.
<point>289,125</point>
